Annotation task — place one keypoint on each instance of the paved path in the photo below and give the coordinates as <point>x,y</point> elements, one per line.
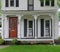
<point>3,46</point>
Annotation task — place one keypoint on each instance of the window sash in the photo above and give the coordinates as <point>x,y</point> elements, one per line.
<point>6,3</point>
<point>46,28</point>
<point>42,3</point>
<point>12,3</point>
<point>47,3</point>
<point>52,2</point>
<point>30,5</point>
<point>30,1</point>
<point>17,3</point>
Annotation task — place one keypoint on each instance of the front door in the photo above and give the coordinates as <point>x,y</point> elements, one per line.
<point>13,27</point>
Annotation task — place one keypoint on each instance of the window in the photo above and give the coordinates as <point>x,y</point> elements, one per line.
<point>30,4</point>
<point>6,3</point>
<point>17,3</point>
<point>52,2</point>
<point>30,24</point>
<point>42,3</point>
<point>30,28</point>
<point>47,2</point>
<point>11,2</point>
<point>0,22</point>
<point>47,27</point>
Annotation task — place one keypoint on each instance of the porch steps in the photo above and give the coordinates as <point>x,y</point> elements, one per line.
<point>34,41</point>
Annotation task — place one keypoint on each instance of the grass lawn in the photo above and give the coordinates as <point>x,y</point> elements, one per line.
<point>32,48</point>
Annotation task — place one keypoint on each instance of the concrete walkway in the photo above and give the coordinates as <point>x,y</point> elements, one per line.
<point>3,46</point>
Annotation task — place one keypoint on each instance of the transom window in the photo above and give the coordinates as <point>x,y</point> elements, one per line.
<point>11,3</point>
<point>47,3</point>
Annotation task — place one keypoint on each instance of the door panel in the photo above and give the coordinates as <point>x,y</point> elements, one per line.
<point>13,27</point>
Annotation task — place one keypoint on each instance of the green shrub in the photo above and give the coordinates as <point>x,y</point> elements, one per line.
<point>0,36</point>
<point>14,41</point>
<point>58,38</point>
<point>1,41</point>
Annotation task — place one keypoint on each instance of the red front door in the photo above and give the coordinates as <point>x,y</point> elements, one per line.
<point>13,27</point>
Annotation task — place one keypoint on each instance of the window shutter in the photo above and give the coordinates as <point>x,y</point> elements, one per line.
<point>25,27</point>
<point>42,27</point>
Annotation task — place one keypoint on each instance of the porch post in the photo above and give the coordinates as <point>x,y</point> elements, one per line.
<point>2,32</point>
<point>53,28</point>
<point>19,26</point>
<point>35,17</point>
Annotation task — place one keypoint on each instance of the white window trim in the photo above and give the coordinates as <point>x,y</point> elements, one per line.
<point>44,2</point>
<point>50,2</point>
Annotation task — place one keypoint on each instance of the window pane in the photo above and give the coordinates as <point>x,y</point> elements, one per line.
<point>6,3</point>
<point>30,4</point>
<point>17,3</point>
<point>52,2</point>
<point>42,3</point>
<point>47,27</point>
<point>47,3</point>
<point>30,29</point>
<point>30,24</point>
<point>11,2</point>
<point>30,7</point>
<point>30,1</point>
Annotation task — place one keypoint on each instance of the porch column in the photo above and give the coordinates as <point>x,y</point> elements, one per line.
<point>35,17</point>
<point>53,28</point>
<point>19,26</point>
<point>2,27</point>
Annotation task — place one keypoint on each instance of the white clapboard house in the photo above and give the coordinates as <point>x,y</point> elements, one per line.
<point>29,20</point>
